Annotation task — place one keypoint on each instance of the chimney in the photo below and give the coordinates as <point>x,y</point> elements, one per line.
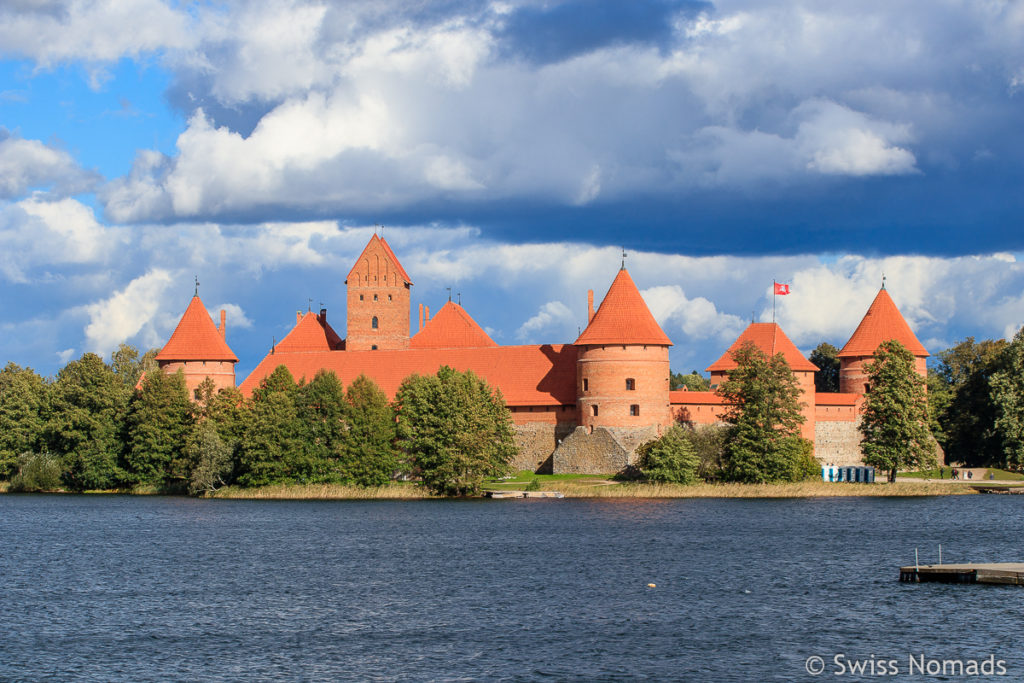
<point>421,318</point>
<point>223,323</point>
<point>323,316</point>
<point>298,317</point>
<point>590,305</point>
<point>426,314</point>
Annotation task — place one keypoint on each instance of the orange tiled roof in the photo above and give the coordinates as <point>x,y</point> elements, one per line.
<point>196,338</point>
<point>526,375</point>
<point>677,398</point>
<point>623,318</point>
<point>311,334</point>
<point>882,322</point>
<point>770,338</point>
<point>373,245</point>
<point>451,327</point>
<point>836,399</point>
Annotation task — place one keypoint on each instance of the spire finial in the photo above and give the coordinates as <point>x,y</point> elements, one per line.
<point>623,259</point>
<point>883,280</point>
<point>197,286</point>
<point>449,293</point>
<point>309,305</point>
<point>460,298</point>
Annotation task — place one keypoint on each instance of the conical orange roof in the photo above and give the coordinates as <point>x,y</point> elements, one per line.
<point>770,338</point>
<point>311,333</point>
<point>881,323</point>
<point>623,318</point>
<point>451,327</point>
<point>196,338</point>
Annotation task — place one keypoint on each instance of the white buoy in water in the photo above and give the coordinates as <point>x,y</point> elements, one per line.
<point>651,585</point>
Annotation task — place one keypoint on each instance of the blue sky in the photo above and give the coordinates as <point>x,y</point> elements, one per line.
<point>510,149</point>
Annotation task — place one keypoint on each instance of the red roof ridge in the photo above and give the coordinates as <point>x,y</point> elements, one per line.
<point>311,333</point>
<point>882,322</point>
<point>770,338</point>
<point>196,338</point>
<point>398,265</point>
<point>451,327</point>
<point>623,318</point>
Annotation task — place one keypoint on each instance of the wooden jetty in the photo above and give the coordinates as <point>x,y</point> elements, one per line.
<point>523,494</point>
<point>1000,573</point>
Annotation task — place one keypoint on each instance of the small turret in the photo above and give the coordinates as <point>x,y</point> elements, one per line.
<point>199,349</point>
<point>882,322</point>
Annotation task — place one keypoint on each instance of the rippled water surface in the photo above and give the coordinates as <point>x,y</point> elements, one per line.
<point>141,589</point>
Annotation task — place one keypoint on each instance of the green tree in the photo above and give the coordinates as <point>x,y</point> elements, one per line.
<point>23,399</point>
<point>85,424</point>
<point>273,436</point>
<point>211,459</point>
<point>455,430</point>
<point>764,443</point>
<point>37,472</point>
<point>826,357</point>
<point>895,419</point>
<point>159,421</point>
<point>670,458</point>
<point>370,455</point>
<point>693,381</point>
<point>321,409</point>
<point>961,403</point>
<point>128,365</point>
<point>1007,392</point>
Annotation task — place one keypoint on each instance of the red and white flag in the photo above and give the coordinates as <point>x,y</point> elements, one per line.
<point>781,288</point>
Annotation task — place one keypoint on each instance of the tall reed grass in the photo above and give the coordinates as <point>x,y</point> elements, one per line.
<point>804,489</point>
<point>324,492</point>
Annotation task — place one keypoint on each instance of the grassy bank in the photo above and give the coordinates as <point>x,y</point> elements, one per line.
<point>397,491</point>
<point>804,489</point>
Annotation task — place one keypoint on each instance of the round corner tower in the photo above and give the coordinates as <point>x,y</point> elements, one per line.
<point>199,349</point>
<point>622,367</point>
<point>883,322</point>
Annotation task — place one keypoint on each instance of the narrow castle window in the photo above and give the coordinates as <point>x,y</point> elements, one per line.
<point>586,384</point>
<point>360,297</point>
<point>630,384</point>
<point>389,297</point>
<point>374,297</point>
<point>373,348</point>
<point>373,322</point>
<point>634,410</point>
<point>595,409</point>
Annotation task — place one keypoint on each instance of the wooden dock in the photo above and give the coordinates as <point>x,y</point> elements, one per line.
<point>1010,489</point>
<point>523,494</point>
<point>999,573</point>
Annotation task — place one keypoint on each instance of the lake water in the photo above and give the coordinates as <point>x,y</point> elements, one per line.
<point>111,588</point>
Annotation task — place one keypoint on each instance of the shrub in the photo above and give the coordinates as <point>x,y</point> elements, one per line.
<point>37,472</point>
<point>670,458</point>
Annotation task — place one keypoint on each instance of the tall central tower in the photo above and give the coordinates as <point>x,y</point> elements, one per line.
<point>378,300</point>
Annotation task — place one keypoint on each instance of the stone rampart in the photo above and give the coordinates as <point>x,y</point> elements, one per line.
<point>535,442</point>
<point>837,442</point>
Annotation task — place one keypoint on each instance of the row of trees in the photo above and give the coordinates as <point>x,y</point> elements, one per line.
<point>89,428</point>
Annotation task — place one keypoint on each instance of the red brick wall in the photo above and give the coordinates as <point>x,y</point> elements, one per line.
<point>375,289</point>
<point>605,369</point>
<point>221,372</point>
<point>853,378</point>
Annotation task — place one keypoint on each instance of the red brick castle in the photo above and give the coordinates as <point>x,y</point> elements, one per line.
<point>579,407</point>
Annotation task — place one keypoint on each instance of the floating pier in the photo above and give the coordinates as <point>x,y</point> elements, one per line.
<point>999,573</point>
<point>523,494</point>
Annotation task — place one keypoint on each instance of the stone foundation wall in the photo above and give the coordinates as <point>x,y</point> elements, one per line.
<point>837,443</point>
<point>536,441</point>
<point>586,452</point>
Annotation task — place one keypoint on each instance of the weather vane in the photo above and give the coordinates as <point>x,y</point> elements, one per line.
<point>449,293</point>
<point>883,280</point>
<point>309,305</point>
<point>623,258</point>
<point>197,286</point>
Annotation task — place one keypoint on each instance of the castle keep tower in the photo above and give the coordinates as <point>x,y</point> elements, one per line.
<point>199,349</point>
<point>881,323</point>
<point>622,367</point>
<point>378,300</point>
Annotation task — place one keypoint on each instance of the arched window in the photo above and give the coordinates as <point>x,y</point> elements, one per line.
<point>594,406</point>
<point>373,322</point>
<point>630,384</point>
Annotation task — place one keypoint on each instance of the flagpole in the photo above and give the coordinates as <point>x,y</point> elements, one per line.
<point>773,302</point>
